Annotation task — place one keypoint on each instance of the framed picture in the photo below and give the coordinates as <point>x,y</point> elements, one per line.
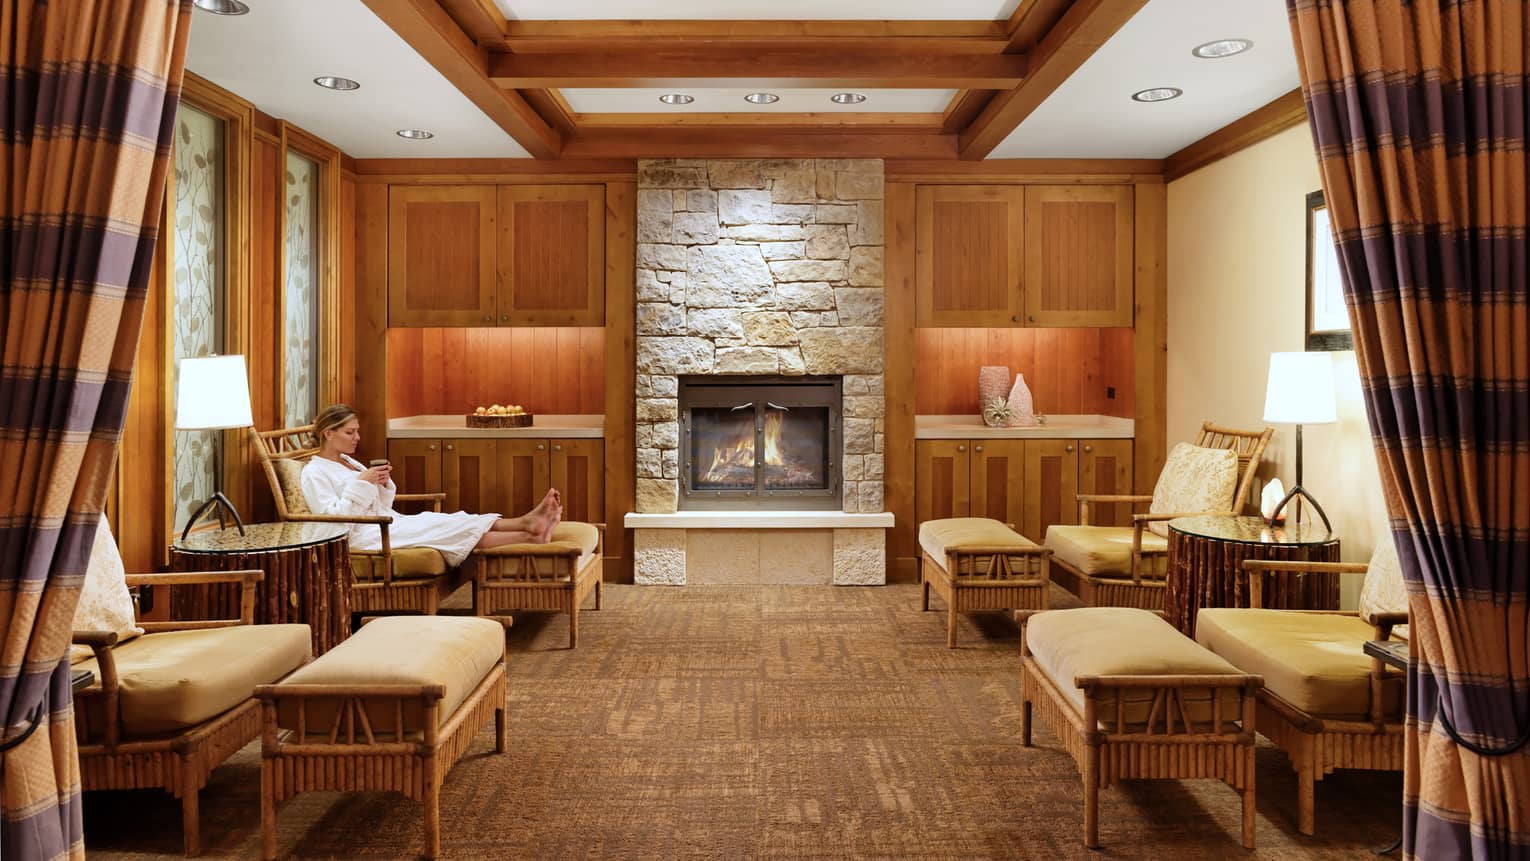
<point>1327,318</point>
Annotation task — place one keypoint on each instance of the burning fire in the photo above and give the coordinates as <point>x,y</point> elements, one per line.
<point>733,458</point>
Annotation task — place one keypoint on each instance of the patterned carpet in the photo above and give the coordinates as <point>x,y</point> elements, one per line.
<point>763,722</point>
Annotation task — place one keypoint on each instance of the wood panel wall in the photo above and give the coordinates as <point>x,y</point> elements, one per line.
<point>1069,371</point>
<point>443,371</point>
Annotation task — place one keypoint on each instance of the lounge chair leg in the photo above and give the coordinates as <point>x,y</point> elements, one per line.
<point>573,627</point>
<point>267,812</point>
<point>924,586</point>
<point>1025,712</point>
<point>951,621</point>
<point>1092,798</point>
<point>432,811</point>
<point>499,729</point>
<point>1306,790</point>
<point>598,592</point>
<point>1248,812</point>
<point>191,830</point>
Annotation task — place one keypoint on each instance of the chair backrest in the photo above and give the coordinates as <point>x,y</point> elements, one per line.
<point>1248,445</point>
<point>276,449</point>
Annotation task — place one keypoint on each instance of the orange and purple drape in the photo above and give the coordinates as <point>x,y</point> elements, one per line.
<point>1418,111</point>
<point>88,106</point>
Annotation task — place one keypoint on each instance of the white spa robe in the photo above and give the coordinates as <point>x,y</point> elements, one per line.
<point>333,488</point>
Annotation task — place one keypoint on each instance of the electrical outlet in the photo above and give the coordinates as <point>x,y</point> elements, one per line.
<point>1110,392</point>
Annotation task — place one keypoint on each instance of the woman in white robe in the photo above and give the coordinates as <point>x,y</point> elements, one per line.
<point>336,483</point>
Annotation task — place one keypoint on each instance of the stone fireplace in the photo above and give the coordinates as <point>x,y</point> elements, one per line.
<point>759,268</point>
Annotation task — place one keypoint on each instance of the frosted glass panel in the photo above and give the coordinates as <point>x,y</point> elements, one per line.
<point>302,290</point>
<point>197,312</point>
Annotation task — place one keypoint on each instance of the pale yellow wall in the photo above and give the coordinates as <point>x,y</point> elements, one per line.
<point>1236,294</point>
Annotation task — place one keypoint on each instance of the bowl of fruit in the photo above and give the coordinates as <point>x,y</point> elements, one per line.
<point>499,416</point>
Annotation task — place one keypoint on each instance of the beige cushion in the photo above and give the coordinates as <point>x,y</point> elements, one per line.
<point>1314,661</point>
<point>1122,641</point>
<point>1105,550</point>
<point>454,651</point>
<point>409,563</point>
<point>289,476</point>
<point>938,536</point>
<point>584,537</point>
<point>177,679</point>
<point>1194,479</point>
<point>105,604</point>
<point>1383,590</point>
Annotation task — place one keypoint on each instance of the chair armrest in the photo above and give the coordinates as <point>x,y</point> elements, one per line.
<point>94,639</point>
<point>1087,499</point>
<point>101,642</point>
<point>338,518</point>
<point>1383,623</point>
<point>1252,568</point>
<point>246,578</point>
<point>435,499</point>
<point>1148,518</point>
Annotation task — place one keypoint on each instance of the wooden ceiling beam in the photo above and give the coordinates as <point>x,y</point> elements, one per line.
<point>1031,20</point>
<point>858,122</point>
<point>1283,113</point>
<point>1072,40</point>
<point>748,143</point>
<point>517,32</point>
<point>480,19</point>
<point>727,65</point>
<point>432,32</point>
<point>964,108</point>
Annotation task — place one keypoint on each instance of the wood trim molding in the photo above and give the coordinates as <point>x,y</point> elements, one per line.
<point>1067,45</point>
<point>1283,113</point>
<point>724,64</point>
<point>934,37</point>
<point>327,156</point>
<point>858,121</point>
<point>432,32</point>
<point>899,382</point>
<point>480,19</point>
<point>1151,340</point>
<point>1051,171</point>
<point>621,372</point>
<point>1031,21</point>
<point>745,143</point>
<point>577,170</point>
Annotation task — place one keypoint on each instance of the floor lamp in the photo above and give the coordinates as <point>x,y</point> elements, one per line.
<point>1300,392</point>
<point>213,393</point>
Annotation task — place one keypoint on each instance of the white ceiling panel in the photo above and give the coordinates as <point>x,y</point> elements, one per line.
<point>758,10</point>
<point>1092,114</point>
<point>272,55</point>
<point>731,100</point>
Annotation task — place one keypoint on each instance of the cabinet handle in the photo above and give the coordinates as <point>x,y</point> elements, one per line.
<point>431,447</point>
<point>961,448</point>
<point>977,448</point>
<point>557,447</point>
<point>488,318</point>
<point>504,318</point>
<point>450,447</point>
<point>1067,448</point>
<point>1088,448</point>
<point>1014,318</point>
<point>541,446</point>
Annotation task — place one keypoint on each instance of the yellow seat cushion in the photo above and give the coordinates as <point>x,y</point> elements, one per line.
<point>584,537</point>
<point>938,536</point>
<point>409,563</point>
<point>173,680</point>
<point>1101,550</point>
<point>1314,661</point>
<point>454,651</point>
<point>1092,641</point>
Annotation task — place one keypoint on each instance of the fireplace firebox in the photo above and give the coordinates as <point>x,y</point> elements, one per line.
<point>757,442</point>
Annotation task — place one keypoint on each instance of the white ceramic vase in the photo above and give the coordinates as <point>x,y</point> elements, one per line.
<point>1022,413</point>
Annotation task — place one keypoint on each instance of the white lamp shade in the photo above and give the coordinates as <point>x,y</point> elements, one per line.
<point>1300,389</point>
<point>212,393</point>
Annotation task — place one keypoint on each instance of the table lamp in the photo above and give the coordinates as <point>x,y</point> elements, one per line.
<point>1300,392</point>
<point>213,393</point>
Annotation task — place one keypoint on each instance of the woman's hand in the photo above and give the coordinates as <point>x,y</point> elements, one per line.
<point>377,475</point>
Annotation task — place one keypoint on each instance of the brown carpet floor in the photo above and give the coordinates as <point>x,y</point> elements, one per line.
<point>763,722</point>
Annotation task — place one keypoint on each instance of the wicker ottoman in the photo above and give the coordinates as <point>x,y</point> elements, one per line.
<point>976,563</point>
<point>1163,708</point>
<point>390,709</point>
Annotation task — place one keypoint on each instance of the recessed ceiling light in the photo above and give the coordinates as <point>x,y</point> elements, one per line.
<point>1221,48</point>
<point>676,99</point>
<point>762,98</point>
<point>847,98</point>
<point>1157,94</point>
<point>334,82</point>
<point>415,134</point>
<point>221,7</point>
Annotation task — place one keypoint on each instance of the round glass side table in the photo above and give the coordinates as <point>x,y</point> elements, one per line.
<point>1205,568</point>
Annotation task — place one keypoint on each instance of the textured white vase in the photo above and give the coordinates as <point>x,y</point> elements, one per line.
<point>1273,493</point>
<point>1022,411</point>
<point>993,382</point>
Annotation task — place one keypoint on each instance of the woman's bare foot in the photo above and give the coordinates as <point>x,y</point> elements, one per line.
<point>552,499</point>
<point>552,523</point>
<point>541,520</point>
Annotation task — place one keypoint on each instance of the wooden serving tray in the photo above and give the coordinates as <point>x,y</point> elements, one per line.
<point>520,421</point>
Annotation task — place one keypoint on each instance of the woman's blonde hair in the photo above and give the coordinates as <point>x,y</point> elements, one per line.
<point>331,418</point>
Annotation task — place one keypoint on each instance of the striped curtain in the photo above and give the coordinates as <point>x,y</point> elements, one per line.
<point>1418,111</point>
<point>87,106</point>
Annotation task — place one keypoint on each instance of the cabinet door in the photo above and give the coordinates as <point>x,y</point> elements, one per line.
<point>578,471</point>
<point>968,250</point>
<point>416,468</point>
<point>552,255</point>
<point>940,479</point>
<point>523,475</point>
<point>998,480</point>
<point>1105,466</point>
<point>441,255</point>
<point>1051,486</point>
<point>470,475</point>
<point>1078,255</point>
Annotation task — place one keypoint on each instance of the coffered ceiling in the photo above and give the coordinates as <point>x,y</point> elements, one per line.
<point>550,78</point>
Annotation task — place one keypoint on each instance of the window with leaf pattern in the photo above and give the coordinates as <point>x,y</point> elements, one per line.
<point>301,291</point>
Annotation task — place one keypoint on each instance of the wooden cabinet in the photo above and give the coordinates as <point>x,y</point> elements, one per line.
<point>1078,255</point>
<point>481,255</point>
<point>469,475</point>
<point>552,255</point>
<point>524,474</point>
<point>416,468</point>
<point>1031,483</point>
<point>509,476</point>
<point>441,255</point>
<point>578,469</point>
<point>968,249</point>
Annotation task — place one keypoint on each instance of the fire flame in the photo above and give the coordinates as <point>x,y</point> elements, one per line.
<point>737,454</point>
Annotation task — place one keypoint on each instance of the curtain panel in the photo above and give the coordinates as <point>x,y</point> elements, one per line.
<point>89,96</point>
<point>1418,112</point>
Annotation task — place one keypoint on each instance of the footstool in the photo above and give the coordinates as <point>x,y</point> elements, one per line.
<point>1130,697</point>
<point>977,563</point>
<point>558,575</point>
<point>390,709</point>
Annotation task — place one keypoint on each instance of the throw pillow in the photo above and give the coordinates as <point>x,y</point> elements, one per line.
<point>289,474</point>
<point>1383,590</point>
<point>1194,479</point>
<point>105,604</point>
